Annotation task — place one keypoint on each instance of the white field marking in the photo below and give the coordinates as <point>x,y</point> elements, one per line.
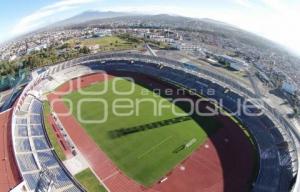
<point>110,176</point>
<point>155,146</point>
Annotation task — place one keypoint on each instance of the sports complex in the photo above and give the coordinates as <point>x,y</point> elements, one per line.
<point>144,123</point>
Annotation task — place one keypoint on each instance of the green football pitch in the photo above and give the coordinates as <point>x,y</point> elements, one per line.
<point>143,144</point>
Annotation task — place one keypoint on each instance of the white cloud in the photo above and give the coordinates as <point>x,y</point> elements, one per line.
<point>40,17</point>
<point>244,3</point>
<point>278,21</point>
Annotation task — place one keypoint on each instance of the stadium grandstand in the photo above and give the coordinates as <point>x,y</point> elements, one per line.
<point>41,170</point>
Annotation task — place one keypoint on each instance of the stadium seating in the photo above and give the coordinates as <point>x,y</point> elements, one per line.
<point>27,162</point>
<point>21,131</point>
<point>31,179</point>
<point>274,161</point>
<point>36,130</point>
<point>34,153</point>
<point>22,145</point>
<point>278,161</point>
<point>36,107</point>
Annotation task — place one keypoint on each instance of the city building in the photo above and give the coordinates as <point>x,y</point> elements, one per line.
<point>234,63</point>
<point>289,87</point>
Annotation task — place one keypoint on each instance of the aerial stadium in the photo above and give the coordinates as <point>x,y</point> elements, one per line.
<point>142,146</point>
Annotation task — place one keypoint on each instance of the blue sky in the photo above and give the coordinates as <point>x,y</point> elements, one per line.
<point>274,19</point>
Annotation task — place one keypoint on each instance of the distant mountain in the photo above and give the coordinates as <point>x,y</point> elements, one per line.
<point>205,25</point>
<point>160,20</point>
<point>88,16</point>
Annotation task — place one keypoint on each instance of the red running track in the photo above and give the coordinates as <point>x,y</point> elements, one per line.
<point>224,163</point>
<point>9,173</point>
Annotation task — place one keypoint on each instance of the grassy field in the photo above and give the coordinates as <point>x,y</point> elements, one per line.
<point>51,133</point>
<point>145,155</point>
<point>89,181</point>
<point>110,43</point>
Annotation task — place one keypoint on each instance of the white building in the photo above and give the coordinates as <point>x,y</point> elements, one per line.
<point>186,46</point>
<point>234,63</point>
<point>37,48</point>
<point>13,57</point>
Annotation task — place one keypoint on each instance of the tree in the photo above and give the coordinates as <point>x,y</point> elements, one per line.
<point>84,50</point>
<point>65,46</point>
